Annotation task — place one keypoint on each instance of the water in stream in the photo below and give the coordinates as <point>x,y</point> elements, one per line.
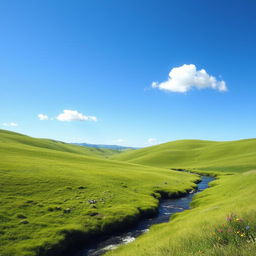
<point>167,208</point>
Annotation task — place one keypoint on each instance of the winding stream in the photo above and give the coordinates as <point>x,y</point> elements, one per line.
<point>167,208</point>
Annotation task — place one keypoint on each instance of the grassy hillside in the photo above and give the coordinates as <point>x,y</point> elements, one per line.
<point>54,194</point>
<point>222,222</point>
<point>20,140</point>
<point>225,156</point>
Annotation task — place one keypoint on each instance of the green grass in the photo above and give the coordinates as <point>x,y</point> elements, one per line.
<point>195,232</point>
<point>20,141</point>
<point>45,186</point>
<point>208,155</point>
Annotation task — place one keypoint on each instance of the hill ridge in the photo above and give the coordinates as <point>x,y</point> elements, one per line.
<point>222,155</point>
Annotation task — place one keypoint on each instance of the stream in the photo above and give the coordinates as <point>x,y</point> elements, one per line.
<point>167,208</point>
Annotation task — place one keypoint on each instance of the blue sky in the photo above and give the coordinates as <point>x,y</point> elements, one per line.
<point>97,59</point>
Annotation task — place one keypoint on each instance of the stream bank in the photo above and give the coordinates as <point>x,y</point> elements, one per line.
<point>167,207</point>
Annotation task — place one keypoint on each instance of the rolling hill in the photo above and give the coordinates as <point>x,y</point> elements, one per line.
<point>8,139</point>
<point>209,155</point>
<point>222,219</point>
<point>54,194</point>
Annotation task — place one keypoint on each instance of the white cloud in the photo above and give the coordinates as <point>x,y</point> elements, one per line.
<point>73,115</point>
<point>152,141</point>
<point>184,78</point>
<point>43,117</point>
<point>12,124</point>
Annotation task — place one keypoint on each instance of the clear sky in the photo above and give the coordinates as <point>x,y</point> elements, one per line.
<point>107,64</point>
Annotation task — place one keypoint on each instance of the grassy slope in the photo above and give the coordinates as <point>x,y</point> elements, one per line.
<point>17,139</point>
<point>224,156</point>
<point>48,184</point>
<point>193,232</point>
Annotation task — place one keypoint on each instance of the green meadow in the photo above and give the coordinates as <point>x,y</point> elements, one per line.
<point>55,196</point>
<point>199,231</point>
<point>233,156</point>
<point>222,221</point>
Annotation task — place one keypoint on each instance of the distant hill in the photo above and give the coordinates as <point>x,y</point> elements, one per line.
<point>226,155</point>
<point>7,138</point>
<point>113,147</point>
